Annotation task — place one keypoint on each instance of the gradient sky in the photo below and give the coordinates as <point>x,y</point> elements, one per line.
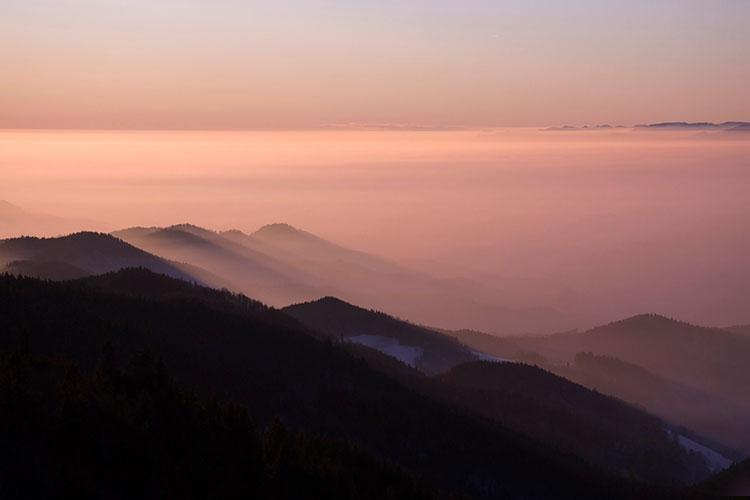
<point>314,63</point>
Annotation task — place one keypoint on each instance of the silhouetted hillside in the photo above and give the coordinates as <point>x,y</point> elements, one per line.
<point>46,270</point>
<point>90,253</point>
<point>280,265</point>
<point>428,350</point>
<point>236,265</point>
<point>276,369</point>
<point>739,329</point>
<point>712,416</point>
<point>734,482</point>
<point>486,343</point>
<point>711,361</point>
<point>134,434</point>
<point>603,430</point>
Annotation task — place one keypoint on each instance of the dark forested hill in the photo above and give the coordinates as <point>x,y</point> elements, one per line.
<point>130,432</point>
<point>276,369</point>
<point>714,417</point>
<point>81,253</point>
<point>601,429</point>
<point>711,359</point>
<point>691,375</point>
<point>733,482</point>
<point>427,350</point>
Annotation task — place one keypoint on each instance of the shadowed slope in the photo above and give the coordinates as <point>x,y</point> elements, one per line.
<point>599,428</point>
<point>434,353</point>
<point>280,370</point>
<point>710,358</point>
<point>90,253</point>
<point>239,267</point>
<point>708,361</point>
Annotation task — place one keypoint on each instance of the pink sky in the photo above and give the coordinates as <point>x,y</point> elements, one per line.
<point>187,64</point>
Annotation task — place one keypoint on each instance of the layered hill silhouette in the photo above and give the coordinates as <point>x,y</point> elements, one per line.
<point>728,126</point>
<point>521,397</point>
<point>281,265</point>
<point>663,364</point>
<point>425,349</point>
<point>557,411</point>
<point>734,482</point>
<point>82,254</point>
<point>712,359</point>
<point>223,345</point>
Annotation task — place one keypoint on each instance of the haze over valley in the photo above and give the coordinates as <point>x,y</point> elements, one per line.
<point>425,249</point>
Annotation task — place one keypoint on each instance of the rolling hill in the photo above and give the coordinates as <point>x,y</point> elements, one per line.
<point>427,350</point>
<point>218,344</point>
<point>280,371</point>
<point>81,253</point>
<point>689,374</point>
<point>281,265</point>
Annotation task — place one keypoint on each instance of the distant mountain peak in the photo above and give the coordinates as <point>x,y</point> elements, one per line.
<point>278,228</point>
<point>190,228</point>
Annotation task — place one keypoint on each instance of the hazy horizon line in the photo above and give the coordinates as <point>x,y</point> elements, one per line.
<point>362,126</point>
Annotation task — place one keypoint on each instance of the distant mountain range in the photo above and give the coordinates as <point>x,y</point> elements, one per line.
<point>480,429</point>
<point>691,375</point>
<point>731,126</point>
<point>734,126</point>
<point>280,265</point>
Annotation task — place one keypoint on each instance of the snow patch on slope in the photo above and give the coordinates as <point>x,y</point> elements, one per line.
<point>715,460</point>
<point>405,353</point>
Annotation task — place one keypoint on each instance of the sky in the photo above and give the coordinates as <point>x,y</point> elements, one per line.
<point>246,64</point>
<point>409,129</point>
<point>601,223</point>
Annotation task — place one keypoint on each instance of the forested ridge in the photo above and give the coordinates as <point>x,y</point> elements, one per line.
<point>207,345</point>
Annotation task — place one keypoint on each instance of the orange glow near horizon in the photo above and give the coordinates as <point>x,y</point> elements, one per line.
<point>177,64</point>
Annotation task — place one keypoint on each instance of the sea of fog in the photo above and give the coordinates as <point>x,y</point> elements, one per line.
<point>598,223</point>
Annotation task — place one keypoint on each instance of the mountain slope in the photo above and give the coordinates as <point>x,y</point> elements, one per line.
<point>538,403</point>
<point>451,303</point>
<point>425,349</point>
<point>708,358</point>
<point>239,267</point>
<point>707,361</point>
<point>537,406</point>
<point>89,253</point>
<point>277,369</point>
<point>733,482</point>
<point>713,417</point>
<point>128,431</point>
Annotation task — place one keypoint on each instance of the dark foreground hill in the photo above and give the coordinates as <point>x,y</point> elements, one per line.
<point>247,354</point>
<point>78,255</point>
<point>707,365</point>
<point>429,351</point>
<point>733,482</point>
<point>132,433</point>
<point>608,433</point>
<point>525,399</point>
<point>601,429</point>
